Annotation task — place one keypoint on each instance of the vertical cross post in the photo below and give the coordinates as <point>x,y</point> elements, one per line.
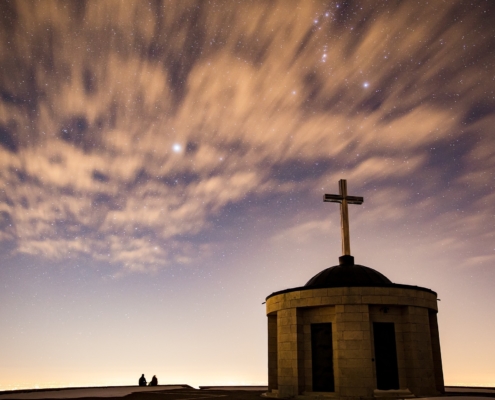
<point>344,200</point>
<point>344,219</point>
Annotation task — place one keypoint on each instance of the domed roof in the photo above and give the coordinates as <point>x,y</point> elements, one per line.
<point>348,274</point>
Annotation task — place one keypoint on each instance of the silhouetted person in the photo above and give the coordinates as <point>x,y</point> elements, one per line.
<point>154,381</point>
<point>142,381</point>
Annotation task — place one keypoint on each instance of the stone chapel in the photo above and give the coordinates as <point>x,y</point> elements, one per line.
<point>351,333</point>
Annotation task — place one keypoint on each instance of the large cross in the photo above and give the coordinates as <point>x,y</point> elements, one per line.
<point>344,199</point>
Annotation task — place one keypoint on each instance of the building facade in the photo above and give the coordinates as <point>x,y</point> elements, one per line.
<point>352,333</point>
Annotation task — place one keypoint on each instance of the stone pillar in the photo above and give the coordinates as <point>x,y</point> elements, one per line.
<point>290,352</point>
<point>353,367</point>
<point>272,353</point>
<point>437,356</point>
<point>417,346</point>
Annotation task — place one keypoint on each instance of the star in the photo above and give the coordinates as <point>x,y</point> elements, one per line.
<point>177,148</point>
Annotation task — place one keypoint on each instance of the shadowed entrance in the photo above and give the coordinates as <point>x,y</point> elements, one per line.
<point>322,355</point>
<point>387,372</point>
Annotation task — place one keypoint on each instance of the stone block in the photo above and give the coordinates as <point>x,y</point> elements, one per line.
<point>284,355</point>
<point>350,326</point>
<point>317,319</point>
<point>391,300</point>
<point>329,310</point>
<point>423,328</point>
<point>283,329</point>
<point>306,294</point>
<point>286,346</point>
<point>333,299</point>
<point>284,305</point>
<point>284,337</point>
<point>339,291</point>
<point>399,292</point>
<point>351,299</point>
<point>366,291</point>
<point>339,309</point>
<point>353,335</point>
<point>358,353</point>
<point>320,292</point>
<point>285,372</point>
<point>292,295</point>
<point>355,344</point>
<point>313,301</point>
<point>415,310</point>
<point>285,363</point>
<point>381,291</point>
<point>353,392</point>
<point>348,317</point>
<point>419,318</point>
<point>356,308</point>
<point>356,364</point>
<point>357,291</point>
<point>298,303</point>
<point>284,380</point>
<point>342,345</point>
<point>273,300</point>
<point>354,377</point>
<point>372,299</point>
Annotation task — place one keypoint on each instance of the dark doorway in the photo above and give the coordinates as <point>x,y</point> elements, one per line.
<point>387,371</point>
<point>322,356</point>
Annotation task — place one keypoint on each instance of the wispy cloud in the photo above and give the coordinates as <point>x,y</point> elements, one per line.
<point>261,100</point>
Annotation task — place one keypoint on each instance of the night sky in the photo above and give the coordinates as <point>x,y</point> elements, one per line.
<point>162,166</point>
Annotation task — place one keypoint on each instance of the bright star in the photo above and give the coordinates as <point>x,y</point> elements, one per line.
<point>177,148</point>
<point>366,84</point>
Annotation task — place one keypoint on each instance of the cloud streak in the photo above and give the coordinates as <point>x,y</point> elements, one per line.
<point>263,101</point>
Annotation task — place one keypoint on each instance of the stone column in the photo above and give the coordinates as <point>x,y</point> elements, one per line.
<point>418,349</point>
<point>437,356</point>
<point>290,352</point>
<point>272,353</point>
<point>353,367</point>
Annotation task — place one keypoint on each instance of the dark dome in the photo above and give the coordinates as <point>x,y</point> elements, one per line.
<point>348,275</point>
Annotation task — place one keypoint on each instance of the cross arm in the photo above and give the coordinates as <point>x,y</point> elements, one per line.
<point>334,198</point>
<point>337,198</point>
<point>354,200</point>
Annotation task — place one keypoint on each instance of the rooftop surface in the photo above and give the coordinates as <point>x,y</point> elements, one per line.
<point>185,392</point>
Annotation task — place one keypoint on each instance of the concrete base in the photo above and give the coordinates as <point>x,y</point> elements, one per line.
<point>393,394</point>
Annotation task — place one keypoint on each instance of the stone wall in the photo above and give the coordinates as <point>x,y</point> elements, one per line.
<point>352,312</point>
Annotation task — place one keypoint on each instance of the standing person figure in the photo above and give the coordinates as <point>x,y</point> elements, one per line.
<point>154,381</point>
<point>142,381</point>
